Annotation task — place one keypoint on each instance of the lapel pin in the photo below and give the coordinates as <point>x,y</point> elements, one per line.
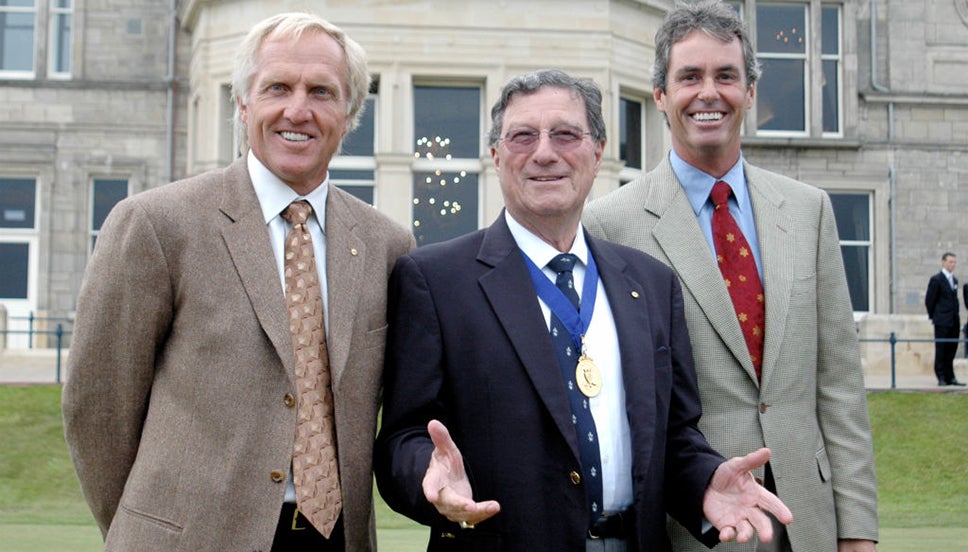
<point>354,252</point>
<point>635,295</point>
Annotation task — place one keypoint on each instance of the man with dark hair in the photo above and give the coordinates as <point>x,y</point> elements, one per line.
<point>539,389</point>
<point>941,300</point>
<point>765,293</point>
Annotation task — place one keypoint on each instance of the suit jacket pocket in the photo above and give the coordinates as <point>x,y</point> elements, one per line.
<point>823,464</point>
<point>132,530</point>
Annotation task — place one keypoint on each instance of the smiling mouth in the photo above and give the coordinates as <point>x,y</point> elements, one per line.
<point>707,116</point>
<point>294,136</point>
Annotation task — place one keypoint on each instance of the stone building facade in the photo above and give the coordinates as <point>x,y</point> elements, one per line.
<point>867,99</point>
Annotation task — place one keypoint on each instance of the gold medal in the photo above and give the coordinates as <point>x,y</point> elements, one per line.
<point>588,376</point>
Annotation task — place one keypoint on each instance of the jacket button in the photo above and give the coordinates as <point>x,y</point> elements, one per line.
<point>763,407</point>
<point>289,400</point>
<point>277,476</point>
<point>575,478</point>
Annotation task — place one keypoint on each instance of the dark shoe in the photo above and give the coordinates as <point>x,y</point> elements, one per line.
<point>956,383</point>
<point>942,384</point>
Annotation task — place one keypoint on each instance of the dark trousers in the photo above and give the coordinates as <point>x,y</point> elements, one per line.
<point>944,353</point>
<point>294,533</point>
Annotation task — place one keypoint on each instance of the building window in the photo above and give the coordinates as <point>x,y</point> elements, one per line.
<point>831,84</point>
<point>852,212</point>
<point>354,169</point>
<point>59,36</point>
<point>630,137</point>
<point>794,78</point>
<point>447,150</point>
<point>18,223</point>
<point>17,38</point>
<point>106,193</point>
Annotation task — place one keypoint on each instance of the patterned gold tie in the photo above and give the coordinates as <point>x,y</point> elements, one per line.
<point>314,466</point>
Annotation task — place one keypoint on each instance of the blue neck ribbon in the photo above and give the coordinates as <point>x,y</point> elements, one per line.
<point>576,323</point>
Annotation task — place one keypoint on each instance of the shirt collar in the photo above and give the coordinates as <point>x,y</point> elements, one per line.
<point>540,251</point>
<point>697,184</point>
<point>275,195</point>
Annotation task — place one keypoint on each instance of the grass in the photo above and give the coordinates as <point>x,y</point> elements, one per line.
<point>920,445</point>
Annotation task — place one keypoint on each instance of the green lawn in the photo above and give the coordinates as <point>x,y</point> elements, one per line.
<point>920,442</point>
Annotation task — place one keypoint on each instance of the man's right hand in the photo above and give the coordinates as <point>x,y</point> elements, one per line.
<point>446,485</point>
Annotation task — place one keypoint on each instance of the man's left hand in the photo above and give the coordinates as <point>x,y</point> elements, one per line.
<point>736,504</point>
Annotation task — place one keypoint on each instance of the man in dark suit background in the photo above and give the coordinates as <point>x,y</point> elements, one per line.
<point>181,402</point>
<point>478,436</point>
<point>941,300</point>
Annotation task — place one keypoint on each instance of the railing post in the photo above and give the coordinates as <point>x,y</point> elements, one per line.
<point>893,366</point>
<point>30,330</point>
<point>60,337</point>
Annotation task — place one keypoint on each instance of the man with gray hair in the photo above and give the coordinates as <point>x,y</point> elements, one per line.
<point>224,379</point>
<point>766,299</point>
<point>539,388</point>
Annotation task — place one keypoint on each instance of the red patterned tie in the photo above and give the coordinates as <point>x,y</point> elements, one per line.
<point>738,266</point>
<point>314,467</point>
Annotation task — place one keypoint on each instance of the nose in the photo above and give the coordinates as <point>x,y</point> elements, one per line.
<point>708,91</point>
<point>297,108</point>
<point>545,149</point>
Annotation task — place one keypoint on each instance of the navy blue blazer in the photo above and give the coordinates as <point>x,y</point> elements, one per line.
<point>468,345</point>
<point>941,300</point>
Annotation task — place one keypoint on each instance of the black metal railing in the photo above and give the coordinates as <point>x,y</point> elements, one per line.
<point>893,339</point>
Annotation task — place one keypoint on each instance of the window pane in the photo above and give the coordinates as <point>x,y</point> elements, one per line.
<point>61,43</point>
<point>444,205</point>
<point>363,193</point>
<point>360,141</point>
<point>630,133</point>
<point>856,266</point>
<point>831,93</point>
<point>447,121</point>
<point>781,29</point>
<point>107,193</point>
<point>830,31</point>
<point>17,38</point>
<point>351,174</point>
<point>780,95</point>
<point>17,198</point>
<point>14,258</point>
<point>852,213</point>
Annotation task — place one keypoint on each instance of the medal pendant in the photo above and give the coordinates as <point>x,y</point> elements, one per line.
<point>588,377</point>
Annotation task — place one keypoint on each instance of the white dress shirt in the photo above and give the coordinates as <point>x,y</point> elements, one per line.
<point>601,345</point>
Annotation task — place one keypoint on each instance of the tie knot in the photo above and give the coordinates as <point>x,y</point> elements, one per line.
<point>564,262</point>
<point>720,194</point>
<point>297,212</point>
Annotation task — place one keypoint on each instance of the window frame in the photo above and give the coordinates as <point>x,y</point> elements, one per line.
<point>868,243</point>
<point>813,69</point>
<point>343,162</point>
<point>628,173</point>
<point>20,74</point>
<point>92,198</point>
<point>466,165</point>
<point>54,42</point>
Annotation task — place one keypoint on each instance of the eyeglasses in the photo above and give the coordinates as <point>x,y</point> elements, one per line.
<point>525,141</point>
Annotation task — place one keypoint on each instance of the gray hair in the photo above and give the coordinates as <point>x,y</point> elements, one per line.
<point>712,17</point>
<point>527,84</point>
<point>293,25</point>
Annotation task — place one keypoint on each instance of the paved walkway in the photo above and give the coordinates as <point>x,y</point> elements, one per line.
<point>40,366</point>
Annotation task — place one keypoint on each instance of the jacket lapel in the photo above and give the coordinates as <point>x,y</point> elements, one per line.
<point>678,234</point>
<point>511,293</point>
<point>345,255</point>
<point>776,239</point>
<point>247,240</point>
